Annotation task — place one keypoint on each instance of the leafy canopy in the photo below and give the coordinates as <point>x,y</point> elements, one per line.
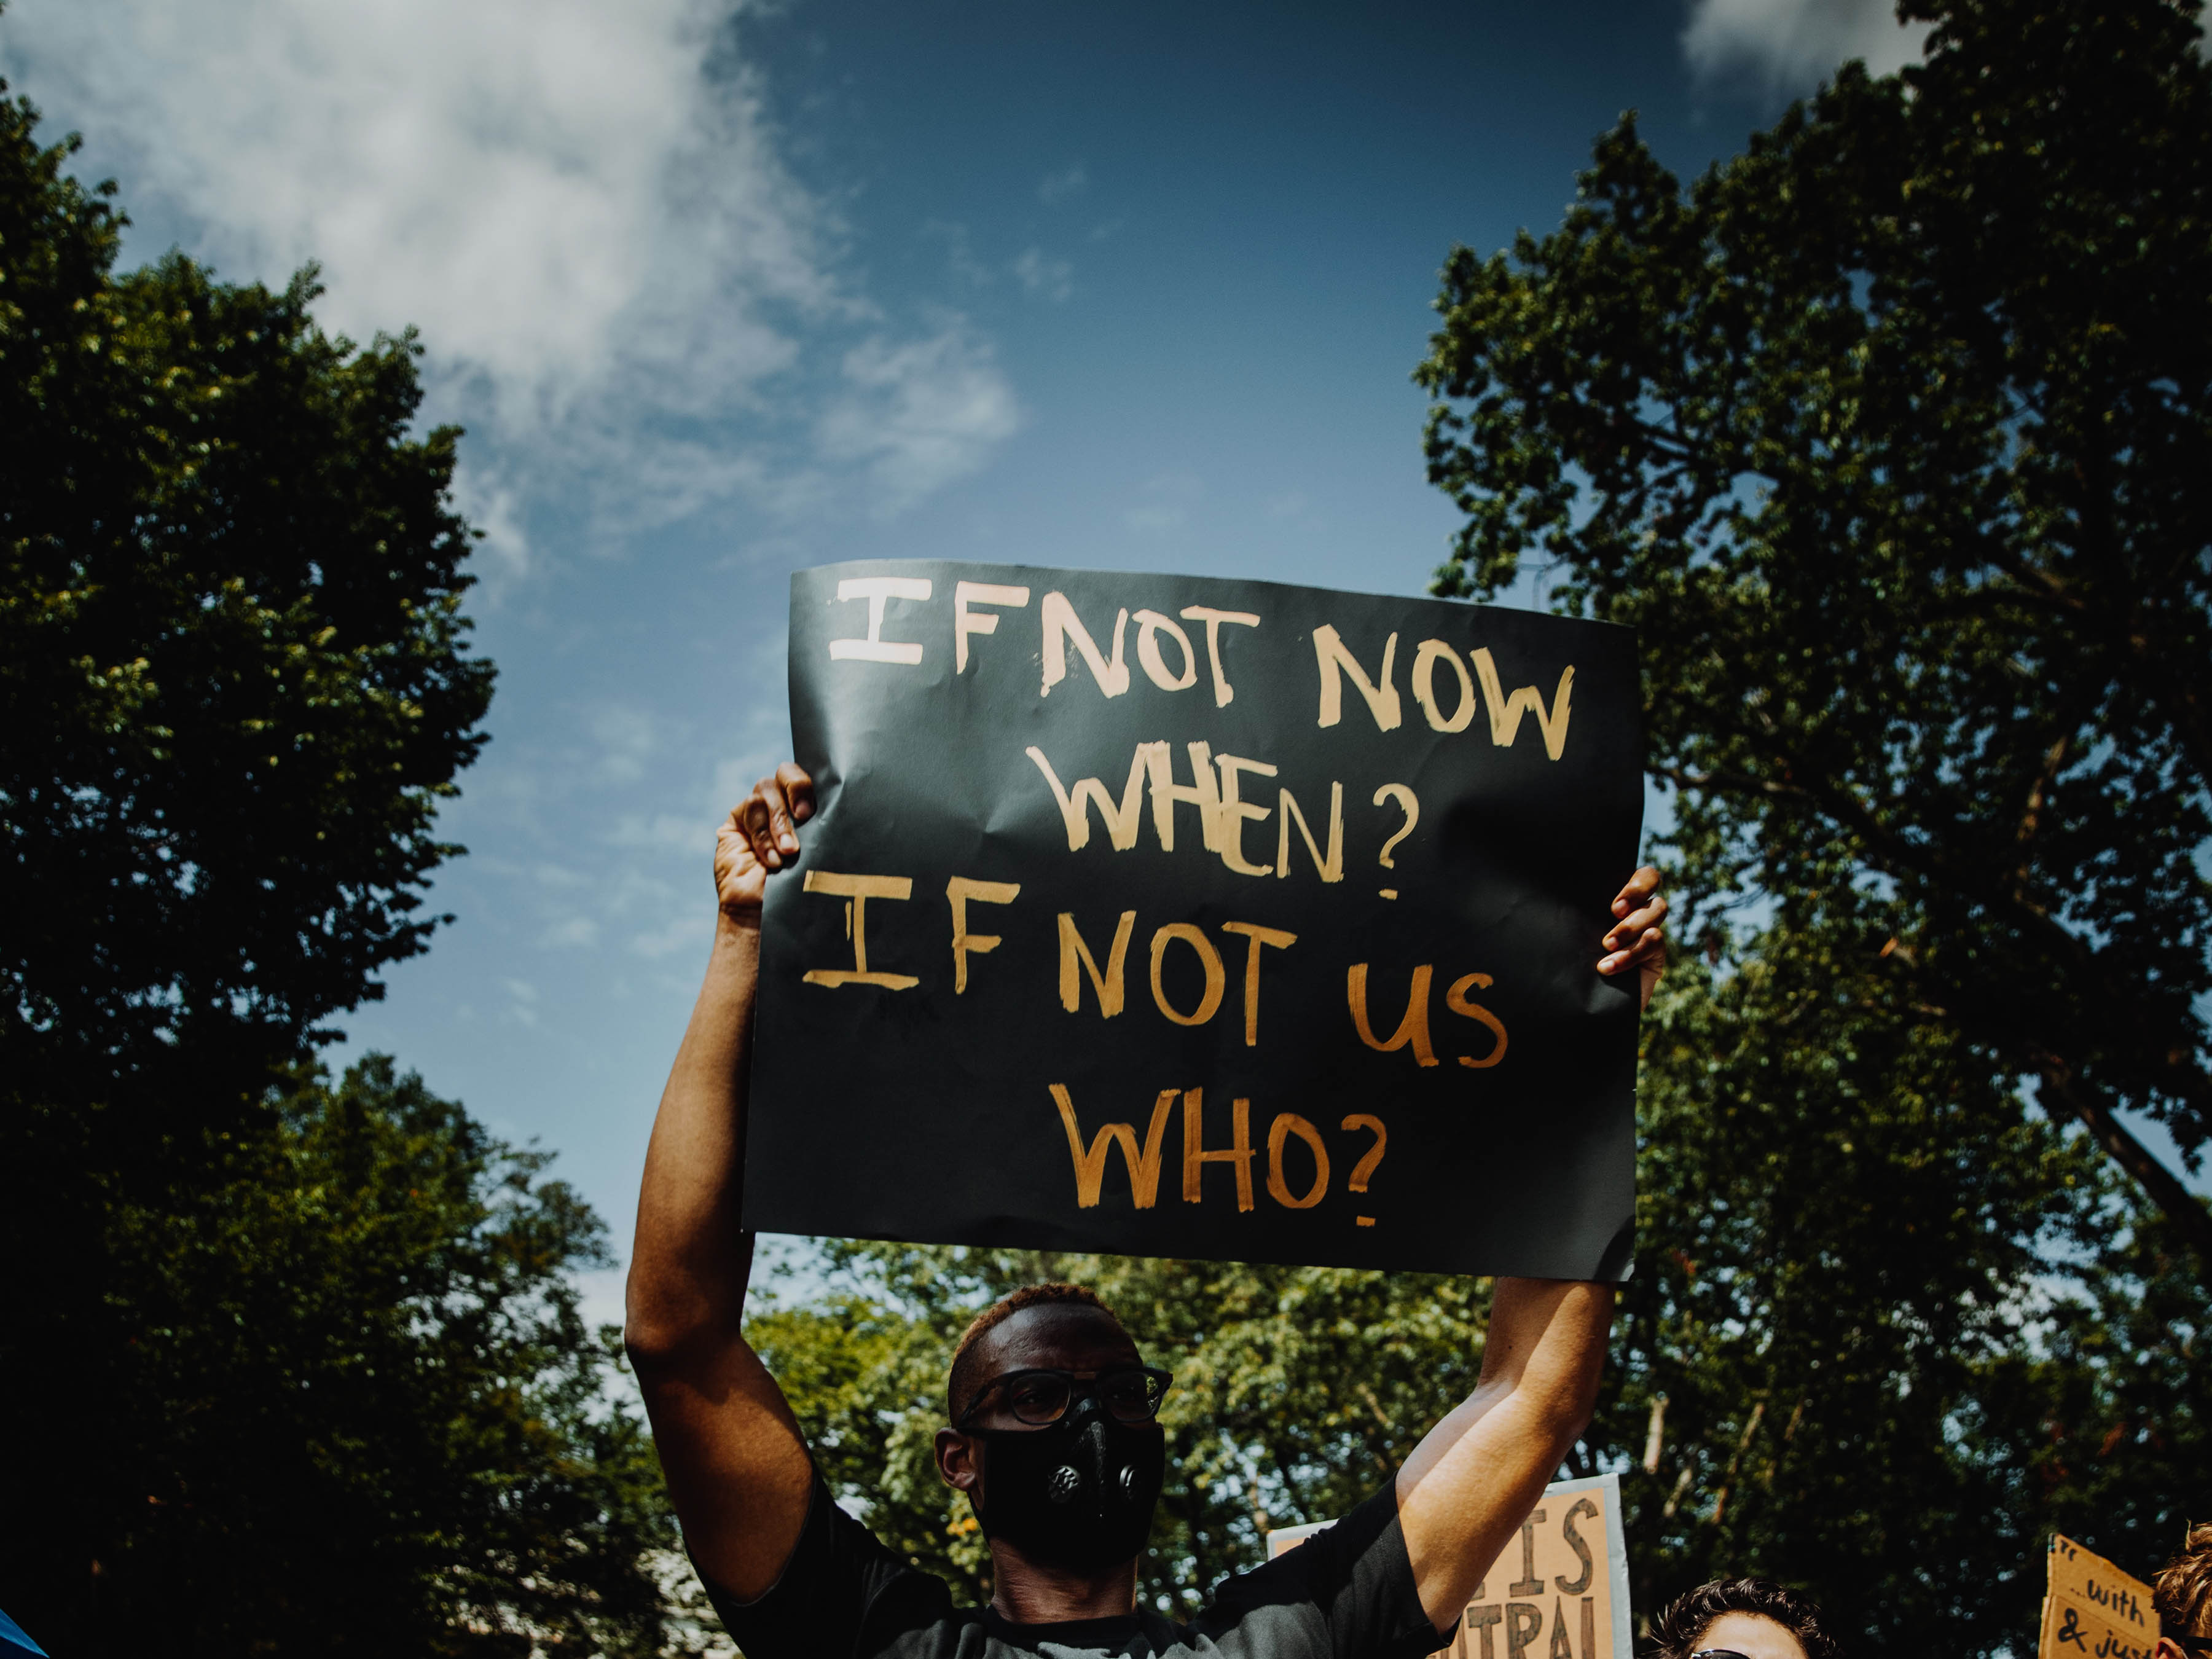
<point>232,678</point>
<point>355,1408</point>
<point>291,1368</point>
<point>1889,434</point>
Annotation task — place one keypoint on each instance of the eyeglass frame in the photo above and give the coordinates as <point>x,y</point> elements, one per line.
<point>1161,1380</point>
<point>1718,1653</point>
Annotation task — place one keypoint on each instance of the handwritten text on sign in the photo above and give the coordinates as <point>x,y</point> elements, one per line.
<point>2092,1610</point>
<point>1561,1590</point>
<point>1220,918</point>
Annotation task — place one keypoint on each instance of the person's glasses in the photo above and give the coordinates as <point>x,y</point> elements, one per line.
<point>1130,1394</point>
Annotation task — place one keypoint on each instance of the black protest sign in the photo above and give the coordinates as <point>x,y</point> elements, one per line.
<point>1171,916</point>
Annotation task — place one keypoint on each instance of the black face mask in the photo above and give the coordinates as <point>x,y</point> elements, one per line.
<point>1078,1494</point>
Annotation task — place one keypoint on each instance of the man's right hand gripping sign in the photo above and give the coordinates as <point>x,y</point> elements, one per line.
<point>1051,1413</point>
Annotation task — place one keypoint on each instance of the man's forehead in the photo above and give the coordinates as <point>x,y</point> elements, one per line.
<point>1067,1336</point>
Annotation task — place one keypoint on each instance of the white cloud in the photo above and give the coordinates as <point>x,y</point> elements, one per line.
<point>522,1005</point>
<point>580,205</point>
<point>1040,273</point>
<point>689,929</point>
<point>627,736</point>
<point>1789,44</point>
<point>1056,187</point>
<point>917,415</point>
<point>1168,499</point>
<point>679,832</point>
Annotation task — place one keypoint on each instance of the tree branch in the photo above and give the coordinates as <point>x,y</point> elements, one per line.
<point>2163,1188</point>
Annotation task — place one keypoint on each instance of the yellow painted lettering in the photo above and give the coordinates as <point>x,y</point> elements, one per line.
<point>1413,1028</point>
<point>1363,1171</point>
<point>1259,937</point>
<point>1455,1000</point>
<point>1150,626</point>
<point>966,622</point>
<point>1332,867</point>
<point>1062,625</point>
<point>1209,958</point>
<point>1108,986</point>
<point>1223,693</point>
<point>1229,837</point>
<point>859,890</point>
<point>1237,1154</point>
<point>1506,712</point>
<point>1425,660</point>
<point>961,892</point>
<point>1166,793</point>
<point>1286,1125</point>
<point>876,590</point>
<point>1144,1166</point>
<point>1335,660</point>
<point>1121,819</point>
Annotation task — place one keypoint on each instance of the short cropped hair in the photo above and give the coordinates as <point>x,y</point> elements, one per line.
<point>961,1382</point>
<point>2182,1592</point>
<point>1678,1631</point>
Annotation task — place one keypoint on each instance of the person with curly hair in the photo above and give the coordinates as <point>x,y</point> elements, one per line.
<point>1742,1619</point>
<point>2181,1595</point>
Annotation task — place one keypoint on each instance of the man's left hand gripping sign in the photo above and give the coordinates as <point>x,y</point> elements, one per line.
<point>1170,916</point>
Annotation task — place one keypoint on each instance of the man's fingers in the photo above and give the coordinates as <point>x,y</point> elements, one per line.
<point>768,818</point>
<point>1650,945</point>
<point>751,819</point>
<point>798,791</point>
<point>1631,926</point>
<point>1641,886</point>
<point>768,823</point>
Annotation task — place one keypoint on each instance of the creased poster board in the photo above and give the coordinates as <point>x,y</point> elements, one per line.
<point>1171,916</point>
<point>1559,1588</point>
<point>2092,1610</point>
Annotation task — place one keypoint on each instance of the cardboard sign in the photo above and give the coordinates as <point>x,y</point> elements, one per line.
<point>2092,1610</point>
<point>1559,1591</point>
<point>1168,916</point>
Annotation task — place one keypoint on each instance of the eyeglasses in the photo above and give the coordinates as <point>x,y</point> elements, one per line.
<point>1130,1394</point>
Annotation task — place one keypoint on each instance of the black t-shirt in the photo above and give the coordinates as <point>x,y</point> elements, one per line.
<point>1346,1593</point>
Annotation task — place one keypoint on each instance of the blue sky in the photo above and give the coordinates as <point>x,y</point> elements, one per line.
<point>721,291</point>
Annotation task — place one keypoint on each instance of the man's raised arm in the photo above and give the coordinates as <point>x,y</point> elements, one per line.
<point>1474,1477</point>
<point>737,1469</point>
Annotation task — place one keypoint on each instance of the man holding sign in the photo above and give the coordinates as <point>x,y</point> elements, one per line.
<point>1051,1413</point>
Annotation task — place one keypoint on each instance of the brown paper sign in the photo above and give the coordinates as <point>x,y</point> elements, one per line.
<point>2092,1610</point>
<point>1559,1591</point>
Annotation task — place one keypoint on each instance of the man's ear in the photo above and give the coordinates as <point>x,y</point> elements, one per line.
<point>956,1459</point>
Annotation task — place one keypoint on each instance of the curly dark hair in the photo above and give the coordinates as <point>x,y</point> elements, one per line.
<point>1676,1632</point>
<point>2183,1590</point>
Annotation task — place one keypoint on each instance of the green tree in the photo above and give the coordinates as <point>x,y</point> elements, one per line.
<point>1893,428</point>
<point>1889,1328</point>
<point>359,1410</point>
<point>232,678</point>
<point>233,688</point>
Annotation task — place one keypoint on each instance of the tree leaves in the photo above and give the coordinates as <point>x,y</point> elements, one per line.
<point>1888,434</point>
<point>233,678</point>
<point>351,1405</point>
